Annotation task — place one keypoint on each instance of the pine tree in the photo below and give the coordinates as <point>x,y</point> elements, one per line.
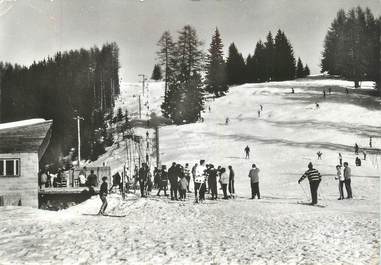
<point>269,54</point>
<point>165,56</point>
<point>299,69</point>
<point>235,66</point>
<point>156,73</point>
<point>306,71</point>
<point>183,100</point>
<point>259,61</point>
<point>351,46</point>
<point>216,69</point>
<point>284,61</point>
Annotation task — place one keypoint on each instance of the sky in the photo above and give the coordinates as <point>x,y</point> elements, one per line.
<point>34,29</point>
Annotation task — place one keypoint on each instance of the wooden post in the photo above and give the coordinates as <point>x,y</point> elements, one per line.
<point>140,107</point>
<point>78,118</point>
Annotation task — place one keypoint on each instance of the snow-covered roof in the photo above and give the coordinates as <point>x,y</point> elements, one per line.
<point>25,136</point>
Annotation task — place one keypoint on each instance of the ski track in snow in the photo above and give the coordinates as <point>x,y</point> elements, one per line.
<point>274,230</point>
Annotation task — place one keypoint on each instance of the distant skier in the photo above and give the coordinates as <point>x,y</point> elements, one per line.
<point>103,194</point>
<point>261,107</point>
<point>227,121</point>
<point>209,109</point>
<point>231,182</point>
<point>173,180</point>
<point>254,181</point>
<point>163,183</point>
<point>340,178</point>
<point>224,182</point>
<point>143,178</point>
<point>347,180</point>
<point>317,105</point>
<point>358,162</point>
<point>346,91</point>
<point>314,178</point>
<point>364,154</point>
<point>319,154</point>
<point>370,141</point>
<point>199,182</point>
<point>356,149</point>
<point>329,90</point>
<point>259,113</point>
<point>247,152</point>
<point>323,93</point>
<point>292,91</point>
<point>187,175</point>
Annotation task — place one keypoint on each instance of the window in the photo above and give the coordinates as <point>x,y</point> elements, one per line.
<point>9,167</point>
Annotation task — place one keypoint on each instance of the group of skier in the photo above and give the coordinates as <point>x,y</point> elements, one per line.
<point>204,176</point>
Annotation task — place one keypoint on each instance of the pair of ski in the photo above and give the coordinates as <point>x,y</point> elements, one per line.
<point>309,204</point>
<point>105,215</point>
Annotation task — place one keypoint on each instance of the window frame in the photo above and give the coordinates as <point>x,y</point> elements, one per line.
<point>16,167</point>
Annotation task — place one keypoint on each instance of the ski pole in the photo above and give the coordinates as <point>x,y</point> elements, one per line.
<point>305,194</point>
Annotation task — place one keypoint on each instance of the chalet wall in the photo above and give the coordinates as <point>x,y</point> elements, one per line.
<point>25,187</point>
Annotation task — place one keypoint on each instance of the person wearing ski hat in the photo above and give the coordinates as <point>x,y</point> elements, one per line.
<point>103,194</point>
<point>314,178</point>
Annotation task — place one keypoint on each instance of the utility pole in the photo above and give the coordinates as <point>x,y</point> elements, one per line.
<point>143,81</point>
<point>140,107</point>
<point>78,118</point>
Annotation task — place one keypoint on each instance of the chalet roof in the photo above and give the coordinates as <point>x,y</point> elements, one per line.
<point>27,136</point>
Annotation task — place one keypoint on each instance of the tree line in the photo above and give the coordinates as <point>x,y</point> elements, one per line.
<point>78,82</point>
<point>183,63</point>
<point>352,46</point>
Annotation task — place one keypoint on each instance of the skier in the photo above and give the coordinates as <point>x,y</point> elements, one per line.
<point>259,113</point>
<point>358,162</point>
<point>314,178</point>
<point>231,182</point>
<point>319,154</point>
<point>364,154</point>
<point>340,160</point>
<point>340,177</point>
<point>323,93</point>
<point>115,181</point>
<point>292,91</point>
<point>143,178</point>
<point>347,91</point>
<point>247,152</point>
<point>163,183</point>
<point>224,182</point>
<point>187,175</point>
<point>227,121</point>
<point>370,141</point>
<point>183,184</point>
<point>173,180</point>
<point>213,182</point>
<point>347,180</point>
<point>194,171</point>
<point>103,195</point>
<point>261,107</point>
<point>209,109</point>
<point>199,182</point>
<point>254,181</point>
<point>356,149</point>
<point>317,105</point>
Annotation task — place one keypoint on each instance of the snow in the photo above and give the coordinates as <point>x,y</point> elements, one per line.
<point>20,123</point>
<point>273,230</point>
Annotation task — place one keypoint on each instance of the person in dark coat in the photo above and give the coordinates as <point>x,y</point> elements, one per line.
<point>143,178</point>
<point>213,181</point>
<point>163,183</point>
<point>347,180</point>
<point>103,194</point>
<point>231,181</point>
<point>92,179</point>
<point>173,180</point>
<point>116,182</point>
<point>314,178</point>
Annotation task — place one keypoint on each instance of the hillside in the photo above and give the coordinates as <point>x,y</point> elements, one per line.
<point>273,230</point>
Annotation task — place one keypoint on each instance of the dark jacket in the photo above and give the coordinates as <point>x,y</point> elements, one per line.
<point>173,175</point>
<point>143,174</point>
<point>104,189</point>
